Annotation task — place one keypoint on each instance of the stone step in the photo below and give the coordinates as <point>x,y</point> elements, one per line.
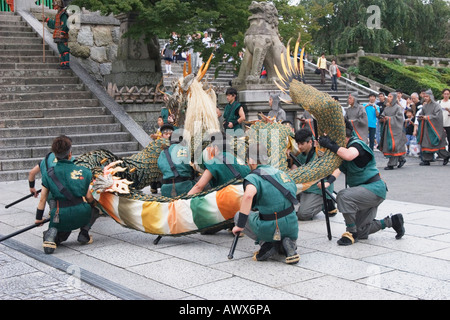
<point>77,139</point>
<point>38,80</point>
<point>28,66</point>
<point>40,152</point>
<point>17,33</point>
<point>44,96</point>
<point>16,40</point>
<point>56,121</point>
<point>48,112</point>
<point>37,73</point>
<point>29,59</point>
<point>41,88</point>
<point>12,22</point>
<point>10,17</point>
<point>72,103</point>
<point>20,47</point>
<point>14,28</point>
<point>26,53</point>
<point>68,130</point>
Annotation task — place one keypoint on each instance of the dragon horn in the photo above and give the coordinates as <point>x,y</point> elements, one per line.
<point>204,68</point>
<point>279,75</point>
<point>184,70</point>
<point>297,43</point>
<point>288,57</point>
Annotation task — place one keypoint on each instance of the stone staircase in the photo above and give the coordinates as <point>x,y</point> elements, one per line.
<point>39,102</point>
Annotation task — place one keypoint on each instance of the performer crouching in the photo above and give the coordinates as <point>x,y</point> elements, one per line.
<point>69,185</point>
<point>272,193</point>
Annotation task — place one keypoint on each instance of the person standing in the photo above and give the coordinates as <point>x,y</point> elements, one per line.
<point>445,105</point>
<point>393,138</point>
<point>168,54</point>
<point>272,193</point>
<point>381,104</point>
<point>60,33</point>
<point>430,131</point>
<point>69,186</point>
<point>333,74</point>
<point>322,66</point>
<point>373,111</point>
<point>357,116</point>
<point>233,114</point>
<point>366,190</point>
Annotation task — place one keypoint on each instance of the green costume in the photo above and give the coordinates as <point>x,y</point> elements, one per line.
<point>269,199</point>
<point>69,215</point>
<point>61,36</point>
<point>221,172</point>
<point>182,177</point>
<point>231,114</point>
<point>357,176</point>
<point>165,114</point>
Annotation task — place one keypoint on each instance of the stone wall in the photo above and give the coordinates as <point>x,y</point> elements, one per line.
<point>95,44</point>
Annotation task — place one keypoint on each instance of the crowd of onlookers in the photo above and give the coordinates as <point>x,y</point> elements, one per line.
<point>413,122</point>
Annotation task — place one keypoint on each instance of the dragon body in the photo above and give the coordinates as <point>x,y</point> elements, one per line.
<point>187,214</point>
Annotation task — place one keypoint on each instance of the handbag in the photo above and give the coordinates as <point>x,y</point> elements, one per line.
<point>317,71</point>
<point>338,72</point>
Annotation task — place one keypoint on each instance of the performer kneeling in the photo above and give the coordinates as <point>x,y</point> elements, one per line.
<point>69,185</point>
<point>272,193</point>
<point>359,202</point>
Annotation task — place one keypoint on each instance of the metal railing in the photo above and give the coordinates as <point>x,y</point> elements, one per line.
<point>350,85</point>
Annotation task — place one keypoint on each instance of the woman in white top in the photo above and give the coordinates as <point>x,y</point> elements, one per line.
<point>445,105</point>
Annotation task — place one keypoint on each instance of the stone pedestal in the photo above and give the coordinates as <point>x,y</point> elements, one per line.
<point>133,65</point>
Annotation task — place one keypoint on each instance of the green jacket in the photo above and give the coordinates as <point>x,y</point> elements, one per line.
<point>77,180</point>
<point>220,171</point>
<point>231,114</point>
<point>180,158</point>
<point>356,176</point>
<point>269,199</point>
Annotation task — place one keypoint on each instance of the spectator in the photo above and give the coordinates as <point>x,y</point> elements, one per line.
<point>400,100</point>
<point>445,105</point>
<point>416,103</point>
<point>358,117</point>
<point>381,104</point>
<point>409,129</point>
<point>168,54</point>
<point>393,139</point>
<point>373,111</point>
<point>322,66</point>
<point>430,131</point>
<point>333,74</point>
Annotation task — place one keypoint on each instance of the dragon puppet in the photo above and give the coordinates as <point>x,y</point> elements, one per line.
<point>119,181</point>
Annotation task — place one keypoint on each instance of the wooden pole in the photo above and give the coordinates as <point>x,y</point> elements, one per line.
<point>43,32</point>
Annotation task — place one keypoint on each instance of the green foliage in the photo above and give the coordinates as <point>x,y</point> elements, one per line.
<point>408,78</point>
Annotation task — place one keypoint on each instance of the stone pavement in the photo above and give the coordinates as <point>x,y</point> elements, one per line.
<point>125,264</point>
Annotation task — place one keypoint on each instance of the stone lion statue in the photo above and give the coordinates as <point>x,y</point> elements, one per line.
<point>263,45</point>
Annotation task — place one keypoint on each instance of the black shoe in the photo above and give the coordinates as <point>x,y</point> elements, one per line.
<point>348,238</point>
<point>84,237</point>
<point>397,225</point>
<point>389,168</point>
<point>445,161</point>
<point>401,162</point>
<point>290,250</point>
<point>50,240</point>
<point>267,250</point>
<point>424,163</point>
